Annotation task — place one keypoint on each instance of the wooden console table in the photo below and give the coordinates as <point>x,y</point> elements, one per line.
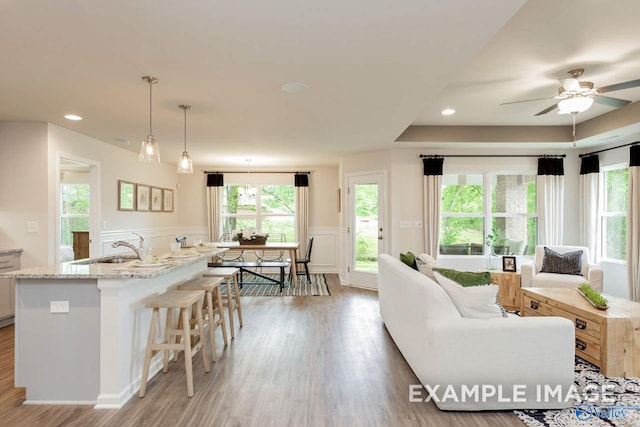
<point>509,293</point>
<point>609,338</point>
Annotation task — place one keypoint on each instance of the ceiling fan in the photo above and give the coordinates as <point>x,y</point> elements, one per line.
<point>575,96</point>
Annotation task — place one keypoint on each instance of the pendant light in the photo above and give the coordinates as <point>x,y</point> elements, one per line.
<point>185,164</point>
<point>149,151</point>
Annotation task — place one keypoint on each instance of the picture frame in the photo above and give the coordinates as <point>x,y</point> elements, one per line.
<point>167,200</point>
<point>126,196</point>
<point>156,199</point>
<point>509,263</point>
<point>143,197</point>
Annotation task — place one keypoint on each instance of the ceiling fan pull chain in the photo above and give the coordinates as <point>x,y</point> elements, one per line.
<point>573,115</point>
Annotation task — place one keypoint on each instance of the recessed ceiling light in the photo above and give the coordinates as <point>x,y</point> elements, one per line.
<point>72,117</point>
<point>294,87</point>
<point>448,111</point>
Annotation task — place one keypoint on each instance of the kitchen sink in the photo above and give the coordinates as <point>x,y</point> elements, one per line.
<point>117,259</point>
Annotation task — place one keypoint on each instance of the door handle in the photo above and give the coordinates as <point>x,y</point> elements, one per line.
<point>379,237</point>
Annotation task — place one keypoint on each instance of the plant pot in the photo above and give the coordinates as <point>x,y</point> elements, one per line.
<point>599,307</point>
<point>254,241</point>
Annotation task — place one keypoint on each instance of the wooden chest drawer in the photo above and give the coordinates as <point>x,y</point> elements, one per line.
<point>582,324</point>
<point>588,348</point>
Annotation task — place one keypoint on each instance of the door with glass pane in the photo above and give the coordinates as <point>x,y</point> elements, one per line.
<point>367,227</point>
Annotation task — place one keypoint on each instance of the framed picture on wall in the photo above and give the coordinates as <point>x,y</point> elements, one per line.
<point>156,199</point>
<point>126,196</point>
<point>143,197</point>
<point>167,200</point>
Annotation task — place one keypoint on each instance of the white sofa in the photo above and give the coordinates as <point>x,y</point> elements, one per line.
<point>531,276</point>
<point>450,352</point>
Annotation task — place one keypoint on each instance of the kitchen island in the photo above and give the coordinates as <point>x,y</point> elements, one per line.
<point>81,328</point>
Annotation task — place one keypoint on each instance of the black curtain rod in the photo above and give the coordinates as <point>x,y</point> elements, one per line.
<point>422,156</point>
<point>607,149</point>
<point>250,171</point>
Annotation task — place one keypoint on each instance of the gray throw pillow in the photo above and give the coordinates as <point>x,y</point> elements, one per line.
<point>566,263</point>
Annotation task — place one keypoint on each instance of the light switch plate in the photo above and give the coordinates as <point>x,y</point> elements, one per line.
<point>405,224</point>
<point>419,224</point>
<point>32,227</point>
<point>59,306</point>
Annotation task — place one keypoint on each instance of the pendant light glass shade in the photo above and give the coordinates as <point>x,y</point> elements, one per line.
<point>149,150</point>
<point>185,164</point>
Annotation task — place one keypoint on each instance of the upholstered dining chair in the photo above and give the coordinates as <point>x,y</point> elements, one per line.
<point>304,262</point>
<point>232,254</point>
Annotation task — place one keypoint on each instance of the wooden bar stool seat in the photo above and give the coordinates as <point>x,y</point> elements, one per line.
<point>232,297</point>
<point>212,306</point>
<point>182,301</point>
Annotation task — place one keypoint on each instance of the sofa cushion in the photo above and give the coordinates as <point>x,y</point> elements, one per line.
<point>425,264</point>
<point>566,263</point>
<point>410,259</point>
<point>466,278</point>
<point>477,302</point>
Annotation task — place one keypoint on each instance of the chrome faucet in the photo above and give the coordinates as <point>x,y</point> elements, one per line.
<point>141,252</point>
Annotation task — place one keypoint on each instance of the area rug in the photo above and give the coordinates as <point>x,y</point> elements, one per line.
<point>621,408</point>
<point>262,288</point>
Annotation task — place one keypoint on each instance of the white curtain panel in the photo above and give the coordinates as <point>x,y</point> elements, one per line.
<point>214,209</point>
<point>432,187</point>
<point>302,218</point>
<point>589,200</point>
<point>550,191</point>
<point>432,202</point>
<point>633,225</point>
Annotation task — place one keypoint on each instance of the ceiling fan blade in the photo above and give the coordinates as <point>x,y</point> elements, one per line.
<point>611,102</point>
<point>619,86</point>
<point>548,109</point>
<point>524,100</point>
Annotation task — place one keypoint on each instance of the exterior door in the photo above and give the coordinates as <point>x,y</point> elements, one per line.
<point>367,227</point>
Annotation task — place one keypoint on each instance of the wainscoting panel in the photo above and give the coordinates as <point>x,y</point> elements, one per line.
<point>325,256</point>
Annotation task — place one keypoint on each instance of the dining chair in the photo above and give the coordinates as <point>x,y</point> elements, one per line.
<point>232,254</point>
<point>305,262</point>
<point>272,255</point>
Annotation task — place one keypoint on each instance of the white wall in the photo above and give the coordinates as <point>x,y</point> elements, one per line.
<point>23,190</point>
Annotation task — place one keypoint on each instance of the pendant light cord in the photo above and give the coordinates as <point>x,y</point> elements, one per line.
<point>185,130</point>
<point>150,104</point>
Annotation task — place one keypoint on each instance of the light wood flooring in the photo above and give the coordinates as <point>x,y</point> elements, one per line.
<point>298,361</point>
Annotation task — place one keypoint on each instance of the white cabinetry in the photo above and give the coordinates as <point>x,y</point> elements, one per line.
<point>8,262</point>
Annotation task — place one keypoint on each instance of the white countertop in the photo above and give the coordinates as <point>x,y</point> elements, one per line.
<point>80,269</point>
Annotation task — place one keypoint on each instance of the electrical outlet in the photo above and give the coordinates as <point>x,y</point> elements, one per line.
<point>59,306</point>
<point>32,227</point>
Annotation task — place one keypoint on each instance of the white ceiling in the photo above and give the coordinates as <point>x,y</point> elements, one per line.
<point>373,67</point>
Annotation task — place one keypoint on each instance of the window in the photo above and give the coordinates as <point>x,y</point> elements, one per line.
<point>462,215</point>
<point>513,213</point>
<point>614,213</point>
<point>267,208</point>
<point>74,209</point>
<point>469,213</point>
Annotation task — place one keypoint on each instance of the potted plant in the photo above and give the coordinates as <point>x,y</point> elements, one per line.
<point>594,297</point>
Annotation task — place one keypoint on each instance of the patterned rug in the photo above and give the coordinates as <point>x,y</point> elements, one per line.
<point>620,406</point>
<point>262,288</point>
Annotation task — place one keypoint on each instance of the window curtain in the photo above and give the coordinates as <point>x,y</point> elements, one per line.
<point>633,224</point>
<point>215,184</point>
<point>432,181</point>
<point>589,199</point>
<point>550,198</point>
<point>302,211</point>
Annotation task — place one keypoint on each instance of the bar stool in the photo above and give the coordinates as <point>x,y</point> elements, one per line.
<point>212,295</point>
<point>232,295</point>
<point>181,300</point>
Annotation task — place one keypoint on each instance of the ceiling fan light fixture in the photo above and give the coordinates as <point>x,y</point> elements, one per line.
<point>448,112</point>
<point>576,104</point>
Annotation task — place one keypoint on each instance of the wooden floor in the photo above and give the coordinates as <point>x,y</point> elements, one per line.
<point>298,361</point>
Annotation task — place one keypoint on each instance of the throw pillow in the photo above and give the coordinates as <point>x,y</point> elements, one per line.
<point>478,302</point>
<point>566,263</point>
<point>425,265</point>
<point>410,259</point>
<point>466,278</point>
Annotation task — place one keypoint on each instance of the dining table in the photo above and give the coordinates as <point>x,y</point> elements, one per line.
<point>292,247</point>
